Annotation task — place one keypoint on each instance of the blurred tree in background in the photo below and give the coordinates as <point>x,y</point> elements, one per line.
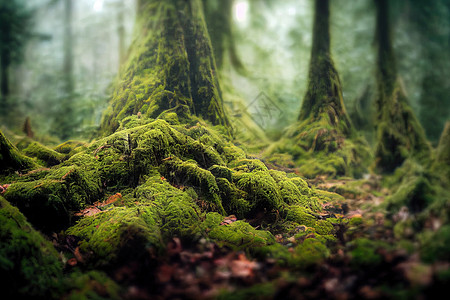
<point>14,33</point>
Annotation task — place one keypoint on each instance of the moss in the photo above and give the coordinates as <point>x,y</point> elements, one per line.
<point>71,147</point>
<point>29,265</point>
<point>162,73</point>
<point>311,252</point>
<point>11,159</point>
<point>300,215</point>
<point>237,235</point>
<point>45,155</point>
<point>248,165</point>
<point>233,200</point>
<point>262,190</point>
<point>324,227</point>
<point>221,172</point>
<point>118,235</point>
<point>90,285</point>
<point>364,253</point>
<point>49,201</point>
<point>186,173</point>
<point>178,215</point>
<point>434,245</point>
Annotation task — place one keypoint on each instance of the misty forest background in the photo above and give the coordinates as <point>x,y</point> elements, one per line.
<point>65,56</point>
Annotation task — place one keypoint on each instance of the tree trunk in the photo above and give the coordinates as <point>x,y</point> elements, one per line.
<point>399,134</point>
<point>121,31</point>
<point>4,75</point>
<point>171,65</point>
<point>324,95</point>
<point>64,120</point>
<point>219,19</point>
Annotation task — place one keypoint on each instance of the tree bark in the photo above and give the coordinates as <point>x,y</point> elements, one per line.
<point>399,133</point>
<point>324,95</point>
<point>171,65</point>
<point>5,61</point>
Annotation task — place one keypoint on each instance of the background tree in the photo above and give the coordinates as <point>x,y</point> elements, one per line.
<point>171,65</point>
<point>399,134</point>
<point>66,121</point>
<point>431,21</point>
<point>15,31</point>
<point>219,20</point>
<point>323,140</point>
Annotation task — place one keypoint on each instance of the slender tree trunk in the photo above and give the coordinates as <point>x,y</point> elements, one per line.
<point>64,121</point>
<point>399,134</point>
<point>121,31</point>
<point>68,49</point>
<point>4,73</point>
<point>171,66</point>
<point>324,95</point>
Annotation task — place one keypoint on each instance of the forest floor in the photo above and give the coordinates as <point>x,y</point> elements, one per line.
<point>205,270</point>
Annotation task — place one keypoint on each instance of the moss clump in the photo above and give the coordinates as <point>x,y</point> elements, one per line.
<point>119,234</point>
<point>364,253</point>
<point>237,235</point>
<point>29,265</point>
<point>71,147</point>
<point>262,191</point>
<point>186,173</point>
<point>434,245</point>
<point>49,201</point>
<point>11,159</point>
<point>45,155</point>
<point>177,214</point>
<point>91,285</point>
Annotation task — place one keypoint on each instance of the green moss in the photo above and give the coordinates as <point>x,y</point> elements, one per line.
<point>49,201</point>
<point>262,190</point>
<point>91,285</point>
<point>434,245</point>
<point>119,234</point>
<point>186,173</point>
<point>300,215</point>
<point>237,235</point>
<point>177,212</point>
<point>233,200</point>
<point>364,253</point>
<point>311,252</point>
<point>44,154</point>
<point>162,73</point>
<point>11,159</point>
<point>29,265</point>
<point>71,147</point>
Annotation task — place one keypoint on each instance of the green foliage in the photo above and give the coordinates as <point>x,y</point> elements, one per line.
<point>29,265</point>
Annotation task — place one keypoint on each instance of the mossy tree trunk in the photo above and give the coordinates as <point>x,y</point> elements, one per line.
<point>399,134</point>
<point>171,64</point>
<point>324,93</point>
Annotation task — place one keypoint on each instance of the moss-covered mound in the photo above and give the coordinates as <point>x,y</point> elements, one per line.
<point>168,180</point>
<point>29,265</point>
<point>11,159</point>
